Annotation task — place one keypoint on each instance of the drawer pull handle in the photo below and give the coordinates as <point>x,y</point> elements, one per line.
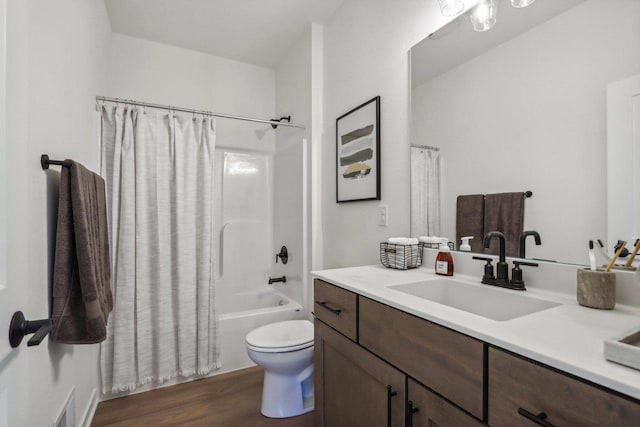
<point>390,394</point>
<point>409,413</point>
<point>540,419</point>
<point>324,305</point>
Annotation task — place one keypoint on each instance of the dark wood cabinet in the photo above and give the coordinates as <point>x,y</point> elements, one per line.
<point>524,393</point>
<point>426,409</point>
<point>379,366</point>
<point>353,387</point>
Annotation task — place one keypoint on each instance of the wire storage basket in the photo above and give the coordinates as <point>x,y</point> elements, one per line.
<point>401,257</point>
<point>436,245</point>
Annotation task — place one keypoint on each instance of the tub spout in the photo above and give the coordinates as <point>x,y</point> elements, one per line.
<point>282,279</point>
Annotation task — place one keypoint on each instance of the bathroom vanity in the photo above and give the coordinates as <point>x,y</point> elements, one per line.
<point>385,357</point>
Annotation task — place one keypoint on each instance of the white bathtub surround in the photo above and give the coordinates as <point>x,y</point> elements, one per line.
<point>158,169</point>
<point>568,337</point>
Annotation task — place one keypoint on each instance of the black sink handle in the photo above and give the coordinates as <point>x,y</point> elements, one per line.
<point>525,263</point>
<point>482,258</point>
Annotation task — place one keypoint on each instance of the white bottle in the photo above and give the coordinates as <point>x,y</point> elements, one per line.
<point>465,246</point>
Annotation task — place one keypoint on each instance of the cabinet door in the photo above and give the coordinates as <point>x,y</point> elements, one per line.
<point>426,409</point>
<point>354,388</point>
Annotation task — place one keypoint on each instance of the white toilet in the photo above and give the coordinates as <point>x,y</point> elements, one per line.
<point>285,351</point>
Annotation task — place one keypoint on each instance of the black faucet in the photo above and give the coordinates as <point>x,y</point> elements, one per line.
<point>502,267</point>
<point>523,239</point>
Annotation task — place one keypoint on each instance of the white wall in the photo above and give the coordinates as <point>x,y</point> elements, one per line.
<point>59,61</point>
<point>293,97</point>
<point>530,114</point>
<point>153,72</point>
<point>366,46</point>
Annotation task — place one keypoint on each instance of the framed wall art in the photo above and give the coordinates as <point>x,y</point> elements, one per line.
<point>358,153</point>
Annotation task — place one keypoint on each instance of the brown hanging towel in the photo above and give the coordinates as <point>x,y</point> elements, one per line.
<point>82,297</point>
<point>504,212</point>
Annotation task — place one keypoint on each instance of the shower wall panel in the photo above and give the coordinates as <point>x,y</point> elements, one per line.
<point>243,223</point>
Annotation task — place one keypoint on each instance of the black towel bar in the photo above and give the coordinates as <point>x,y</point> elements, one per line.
<point>19,327</point>
<point>46,162</point>
<point>526,194</point>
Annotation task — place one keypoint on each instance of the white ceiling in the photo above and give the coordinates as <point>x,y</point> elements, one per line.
<point>254,31</point>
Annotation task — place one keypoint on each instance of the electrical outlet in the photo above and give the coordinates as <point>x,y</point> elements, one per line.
<point>383,215</point>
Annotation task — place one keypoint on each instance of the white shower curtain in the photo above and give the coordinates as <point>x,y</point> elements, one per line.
<point>425,192</point>
<point>158,170</point>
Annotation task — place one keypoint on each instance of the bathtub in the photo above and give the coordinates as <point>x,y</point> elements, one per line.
<point>239,314</point>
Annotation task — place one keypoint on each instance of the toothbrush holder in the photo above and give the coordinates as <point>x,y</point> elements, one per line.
<point>596,289</point>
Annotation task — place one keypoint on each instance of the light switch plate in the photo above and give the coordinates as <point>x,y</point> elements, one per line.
<point>383,215</point>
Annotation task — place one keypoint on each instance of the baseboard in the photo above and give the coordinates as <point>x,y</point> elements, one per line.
<point>90,411</point>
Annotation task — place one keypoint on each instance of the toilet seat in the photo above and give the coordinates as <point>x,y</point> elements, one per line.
<point>280,337</point>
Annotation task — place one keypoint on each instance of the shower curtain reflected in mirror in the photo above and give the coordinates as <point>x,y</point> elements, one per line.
<point>158,167</point>
<point>425,191</point>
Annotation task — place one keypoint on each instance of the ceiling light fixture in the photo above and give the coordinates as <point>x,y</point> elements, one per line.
<point>484,15</point>
<point>451,7</point>
<point>521,3</point>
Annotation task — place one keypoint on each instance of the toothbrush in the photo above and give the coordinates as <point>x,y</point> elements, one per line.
<point>633,255</point>
<point>615,257</point>
<point>592,256</point>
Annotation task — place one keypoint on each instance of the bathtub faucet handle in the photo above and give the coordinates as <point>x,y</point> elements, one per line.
<point>283,255</point>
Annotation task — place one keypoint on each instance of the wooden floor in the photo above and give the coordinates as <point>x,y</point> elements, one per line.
<point>227,400</point>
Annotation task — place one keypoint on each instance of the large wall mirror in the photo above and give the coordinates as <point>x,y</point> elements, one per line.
<point>523,107</point>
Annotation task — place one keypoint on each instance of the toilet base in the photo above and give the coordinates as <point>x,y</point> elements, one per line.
<point>284,398</point>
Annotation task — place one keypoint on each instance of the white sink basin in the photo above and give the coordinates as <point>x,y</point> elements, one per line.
<point>483,300</point>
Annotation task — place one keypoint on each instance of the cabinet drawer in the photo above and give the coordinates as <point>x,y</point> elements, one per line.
<point>450,363</point>
<point>336,307</point>
<point>428,409</point>
<point>517,385</point>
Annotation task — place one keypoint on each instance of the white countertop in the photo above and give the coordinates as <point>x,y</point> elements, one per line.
<point>569,337</point>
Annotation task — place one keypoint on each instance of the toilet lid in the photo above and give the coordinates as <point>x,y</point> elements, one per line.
<point>282,335</point>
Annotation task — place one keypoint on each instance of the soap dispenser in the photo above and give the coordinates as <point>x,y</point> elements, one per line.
<point>444,261</point>
<point>465,246</point>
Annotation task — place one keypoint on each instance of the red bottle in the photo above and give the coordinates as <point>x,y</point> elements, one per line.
<point>444,261</point>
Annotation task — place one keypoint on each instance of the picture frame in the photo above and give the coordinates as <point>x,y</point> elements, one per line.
<point>358,153</point>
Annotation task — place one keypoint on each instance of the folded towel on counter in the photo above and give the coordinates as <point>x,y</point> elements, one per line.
<point>504,212</point>
<point>403,240</point>
<point>470,213</point>
<point>433,240</point>
<point>82,297</point>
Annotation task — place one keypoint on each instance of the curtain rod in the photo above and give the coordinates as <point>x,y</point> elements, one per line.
<point>273,122</point>
<point>428,147</point>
